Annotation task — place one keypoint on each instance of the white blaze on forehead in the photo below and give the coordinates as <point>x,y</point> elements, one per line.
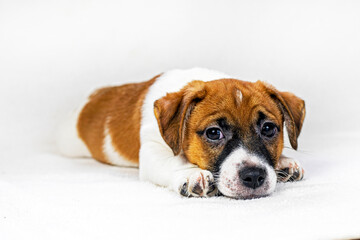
<point>239,96</point>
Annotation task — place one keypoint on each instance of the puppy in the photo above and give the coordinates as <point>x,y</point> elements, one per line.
<point>197,132</point>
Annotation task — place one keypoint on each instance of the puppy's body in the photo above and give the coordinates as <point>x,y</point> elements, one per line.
<point>173,129</point>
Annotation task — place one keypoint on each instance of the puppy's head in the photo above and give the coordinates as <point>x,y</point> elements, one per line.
<point>232,128</point>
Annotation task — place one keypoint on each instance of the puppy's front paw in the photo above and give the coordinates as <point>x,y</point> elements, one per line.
<point>289,169</point>
<point>198,183</point>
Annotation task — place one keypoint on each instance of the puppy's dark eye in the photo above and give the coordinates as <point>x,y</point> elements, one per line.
<point>268,129</point>
<point>214,134</point>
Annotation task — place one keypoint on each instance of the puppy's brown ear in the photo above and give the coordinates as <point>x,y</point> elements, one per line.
<point>293,109</point>
<point>173,110</point>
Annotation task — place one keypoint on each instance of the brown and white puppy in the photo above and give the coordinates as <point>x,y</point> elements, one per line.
<point>194,131</point>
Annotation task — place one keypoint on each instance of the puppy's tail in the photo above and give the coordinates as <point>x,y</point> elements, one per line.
<point>67,138</point>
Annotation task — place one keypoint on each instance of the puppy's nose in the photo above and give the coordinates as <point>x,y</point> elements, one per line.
<point>252,177</point>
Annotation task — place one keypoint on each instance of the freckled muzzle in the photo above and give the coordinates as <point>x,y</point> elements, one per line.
<point>245,176</point>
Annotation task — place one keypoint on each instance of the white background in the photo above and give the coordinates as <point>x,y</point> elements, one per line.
<point>53,52</point>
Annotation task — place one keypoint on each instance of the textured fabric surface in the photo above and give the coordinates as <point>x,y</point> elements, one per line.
<point>47,196</point>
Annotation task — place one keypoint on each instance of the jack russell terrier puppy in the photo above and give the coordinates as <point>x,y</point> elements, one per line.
<point>197,132</point>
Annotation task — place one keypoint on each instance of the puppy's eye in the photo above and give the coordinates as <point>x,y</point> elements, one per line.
<point>268,129</point>
<point>214,134</point>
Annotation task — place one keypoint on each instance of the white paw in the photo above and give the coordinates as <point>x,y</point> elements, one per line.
<point>197,183</point>
<point>289,169</point>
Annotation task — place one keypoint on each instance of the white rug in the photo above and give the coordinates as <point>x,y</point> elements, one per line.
<point>46,196</point>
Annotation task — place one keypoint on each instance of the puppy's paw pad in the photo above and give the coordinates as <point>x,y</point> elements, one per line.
<point>199,184</point>
<point>289,169</point>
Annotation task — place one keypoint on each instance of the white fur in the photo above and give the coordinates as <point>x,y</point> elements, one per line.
<point>157,161</point>
<point>68,140</point>
<point>239,96</point>
<point>229,181</point>
<point>194,177</point>
<point>293,166</point>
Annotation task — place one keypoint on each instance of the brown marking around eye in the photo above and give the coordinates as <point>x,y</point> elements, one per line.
<point>220,103</point>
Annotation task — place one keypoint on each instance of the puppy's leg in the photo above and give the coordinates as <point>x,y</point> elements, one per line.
<point>289,169</point>
<point>159,165</point>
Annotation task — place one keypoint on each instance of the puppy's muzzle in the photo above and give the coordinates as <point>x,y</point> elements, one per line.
<point>245,175</point>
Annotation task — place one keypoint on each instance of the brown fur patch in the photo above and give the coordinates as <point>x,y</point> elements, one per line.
<point>120,109</point>
<point>173,110</point>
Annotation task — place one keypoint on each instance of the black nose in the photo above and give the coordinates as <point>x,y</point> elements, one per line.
<point>252,177</point>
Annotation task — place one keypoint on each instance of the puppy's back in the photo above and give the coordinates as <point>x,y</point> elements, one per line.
<point>107,126</point>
